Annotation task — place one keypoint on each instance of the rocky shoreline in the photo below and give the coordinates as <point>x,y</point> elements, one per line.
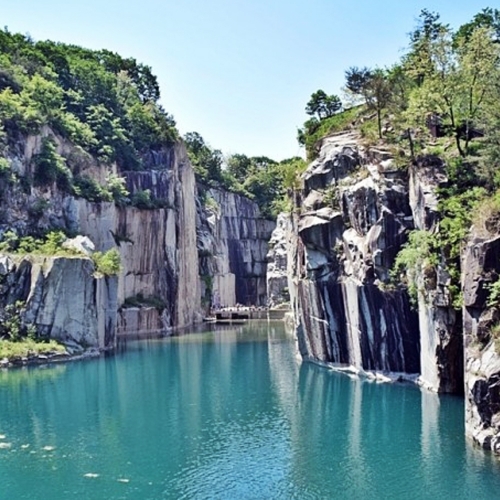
<point>49,358</point>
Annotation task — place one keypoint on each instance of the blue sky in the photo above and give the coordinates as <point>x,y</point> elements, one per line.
<point>239,72</point>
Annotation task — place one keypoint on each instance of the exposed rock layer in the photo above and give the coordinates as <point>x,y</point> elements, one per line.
<point>482,346</point>
<point>440,324</point>
<point>63,298</point>
<point>233,244</point>
<point>354,219</point>
<point>165,245</point>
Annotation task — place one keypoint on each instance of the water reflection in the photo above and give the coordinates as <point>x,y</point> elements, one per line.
<point>229,414</point>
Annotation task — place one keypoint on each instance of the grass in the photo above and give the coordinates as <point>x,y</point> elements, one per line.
<point>336,123</point>
<point>486,216</point>
<point>28,347</point>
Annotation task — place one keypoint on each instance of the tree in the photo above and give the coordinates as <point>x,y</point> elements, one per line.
<point>419,58</point>
<point>207,162</point>
<point>478,74</point>
<point>239,166</point>
<point>456,81</point>
<point>487,18</point>
<point>373,87</point>
<point>323,105</point>
<point>357,79</point>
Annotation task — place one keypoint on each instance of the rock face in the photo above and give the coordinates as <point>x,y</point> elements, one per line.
<point>157,242</point>
<point>356,209</point>
<point>481,326</point>
<point>157,246</point>
<point>232,243</point>
<point>440,325</point>
<point>278,262</point>
<point>353,218</point>
<point>62,298</point>
<point>175,250</point>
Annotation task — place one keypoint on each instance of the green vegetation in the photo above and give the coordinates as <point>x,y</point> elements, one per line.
<point>12,327</point>
<point>51,244</point>
<point>19,340</point>
<point>445,85</point>
<point>211,204</point>
<point>441,99</point>
<point>314,130</point>
<point>417,256</point>
<point>104,103</point>
<point>494,294</point>
<point>259,178</point>
<point>107,263</point>
<point>323,105</point>
<point>108,107</point>
<point>26,348</point>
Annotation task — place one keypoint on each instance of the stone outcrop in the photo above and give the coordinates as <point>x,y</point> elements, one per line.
<point>441,343</point>
<point>176,251</point>
<point>278,262</point>
<point>157,246</point>
<point>481,327</point>
<point>351,219</point>
<point>156,242</point>
<point>232,243</point>
<point>62,298</point>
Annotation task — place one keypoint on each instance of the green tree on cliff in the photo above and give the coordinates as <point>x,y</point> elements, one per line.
<point>323,105</point>
<point>373,87</point>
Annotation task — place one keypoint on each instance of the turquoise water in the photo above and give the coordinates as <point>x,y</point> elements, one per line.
<point>229,415</point>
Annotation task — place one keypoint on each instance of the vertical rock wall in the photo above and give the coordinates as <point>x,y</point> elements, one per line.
<point>440,325</point>
<point>233,244</point>
<point>481,326</point>
<point>62,298</point>
<point>157,246</point>
<point>350,222</point>
<point>159,287</point>
<point>278,289</point>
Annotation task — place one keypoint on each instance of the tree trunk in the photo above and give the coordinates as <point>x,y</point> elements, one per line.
<point>379,122</point>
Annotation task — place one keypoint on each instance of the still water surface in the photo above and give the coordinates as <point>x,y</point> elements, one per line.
<point>229,415</point>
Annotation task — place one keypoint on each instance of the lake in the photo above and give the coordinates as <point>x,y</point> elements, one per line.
<point>229,414</point>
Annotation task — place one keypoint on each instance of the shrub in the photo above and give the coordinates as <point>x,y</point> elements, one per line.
<point>69,125</point>
<point>107,263</point>
<point>12,327</point>
<point>51,167</point>
<point>211,204</point>
<point>314,130</point>
<point>6,173</point>
<point>415,256</point>
<point>9,241</point>
<point>142,199</point>
<point>88,188</point>
<point>116,186</point>
<point>50,244</point>
<point>25,347</point>
<point>493,294</point>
